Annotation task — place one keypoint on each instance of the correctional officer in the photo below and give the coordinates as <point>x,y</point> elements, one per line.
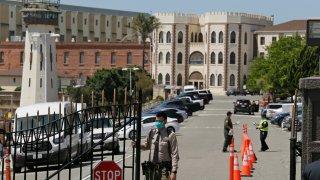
<point>311,171</point>
<point>164,154</point>
<point>263,127</point>
<point>228,132</point>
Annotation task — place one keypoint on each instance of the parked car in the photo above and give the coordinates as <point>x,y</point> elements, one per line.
<point>102,126</point>
<point>272,109</point>
<point>242,105</point>
<point>277,119</point>
<point>232,92</point>
<point>58,144</point>
<point>170,104</point>
<point>207,92</point>
<point>147,123</point>
<point>200,101</point>
<point>180,115</point>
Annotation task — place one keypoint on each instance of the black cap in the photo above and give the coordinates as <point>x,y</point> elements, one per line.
<point>229,113</point>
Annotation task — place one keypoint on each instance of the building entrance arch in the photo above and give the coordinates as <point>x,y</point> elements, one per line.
<point>196,79</point>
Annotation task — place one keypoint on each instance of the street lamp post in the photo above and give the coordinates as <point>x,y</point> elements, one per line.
<point>130,69</point>
<point>36,35</point>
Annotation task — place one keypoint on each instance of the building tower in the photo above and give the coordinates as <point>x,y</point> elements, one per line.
<point>39,77</point>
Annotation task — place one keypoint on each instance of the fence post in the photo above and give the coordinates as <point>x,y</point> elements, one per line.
<point>138,137</point>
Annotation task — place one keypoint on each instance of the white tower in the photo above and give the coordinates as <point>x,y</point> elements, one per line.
<point>39,77</point>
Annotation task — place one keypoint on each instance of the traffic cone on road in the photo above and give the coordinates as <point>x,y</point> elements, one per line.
<point>231,160</point>
<point>249,159</point>
<point>245,166</point>
<point>236,169</point>
<point>7,161</point>
<point>252,155</point>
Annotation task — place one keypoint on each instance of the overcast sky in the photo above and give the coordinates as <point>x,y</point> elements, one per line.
<point>283,10</point>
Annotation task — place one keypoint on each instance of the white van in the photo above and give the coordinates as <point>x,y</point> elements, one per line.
<point>57,144</point>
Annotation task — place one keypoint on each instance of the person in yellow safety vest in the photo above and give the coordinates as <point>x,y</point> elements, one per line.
<point>263,127</point>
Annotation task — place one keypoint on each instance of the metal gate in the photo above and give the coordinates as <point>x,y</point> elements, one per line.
<point>68,144</point>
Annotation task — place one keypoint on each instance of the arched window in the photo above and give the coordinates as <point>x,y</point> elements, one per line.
<point>179,80</point>
<point>213,37</point>
<point>179,61</point>
<point>245,59</point>
<point>200,37</point>
<point>212,80</point>
<point>232,80</point>
<point>195,37</point>
<point>220,80</point>
<point>196,58</point>
<point>245,38</point>
<point>244,79</point>
<point>220,58</point>
<point>192,37</point>
<point>160,58</point>
<point>168,58</point>
<point>161,37</point>
<point>220,37</point>
<point>233,37</point>
<point>168,37</point>
<point>180,37</point>
<point>167,79</point>
<point>232,58</point>
<point>213,58</point>
<point>160,79</point>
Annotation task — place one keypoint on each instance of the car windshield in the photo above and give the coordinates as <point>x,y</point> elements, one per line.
<point>32,121</point>
<point>274,106</point>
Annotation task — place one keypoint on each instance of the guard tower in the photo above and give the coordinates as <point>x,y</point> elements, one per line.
<point>39,77</point>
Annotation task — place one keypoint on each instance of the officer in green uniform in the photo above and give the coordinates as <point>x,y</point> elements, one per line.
<point>163,154</point>
<point>228,131</point>
<point>263,127</point>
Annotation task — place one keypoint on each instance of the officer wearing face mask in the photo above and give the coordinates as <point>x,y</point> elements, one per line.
<point>163,152</point>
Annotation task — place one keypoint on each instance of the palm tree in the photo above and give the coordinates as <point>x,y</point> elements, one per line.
<point>144,25</point>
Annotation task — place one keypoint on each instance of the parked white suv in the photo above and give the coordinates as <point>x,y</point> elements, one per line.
<point>272,109</point>
<point>148,123</point>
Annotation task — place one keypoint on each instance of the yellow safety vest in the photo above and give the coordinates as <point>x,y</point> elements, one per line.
<point>262,128</point>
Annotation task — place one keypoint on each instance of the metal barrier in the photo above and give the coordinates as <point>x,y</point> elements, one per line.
<point>70,142</point>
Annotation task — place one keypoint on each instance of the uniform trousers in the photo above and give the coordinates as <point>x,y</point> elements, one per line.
<point>263,137</point>
<point>157,174</point>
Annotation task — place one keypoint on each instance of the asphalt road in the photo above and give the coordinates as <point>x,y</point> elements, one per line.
<point>200,143</point>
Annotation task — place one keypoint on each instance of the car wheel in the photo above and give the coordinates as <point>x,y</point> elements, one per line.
<point>171,129</point>
<point>132,134</point>
<point>202,108</point>
<point>249,112</point>
<point>234,112</point>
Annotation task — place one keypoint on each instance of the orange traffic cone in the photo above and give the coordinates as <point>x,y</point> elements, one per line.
<point>231,150</point>
<point>252,156</point>
<point>7,161</point>
<point>236,169</point>
<point>249,159</point>
<point>245,166</point>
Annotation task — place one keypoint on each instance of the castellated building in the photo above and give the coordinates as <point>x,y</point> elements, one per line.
<point>210,51</point>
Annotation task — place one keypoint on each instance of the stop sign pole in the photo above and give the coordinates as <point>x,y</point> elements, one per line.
<point>107,170</point>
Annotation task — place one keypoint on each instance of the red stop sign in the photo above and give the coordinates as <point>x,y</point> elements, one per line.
<point>107,170</point>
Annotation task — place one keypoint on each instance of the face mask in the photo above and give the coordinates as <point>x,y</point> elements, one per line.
<point>159,124</point>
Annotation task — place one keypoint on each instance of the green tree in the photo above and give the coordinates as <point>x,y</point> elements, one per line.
<point>110,79</point>
<point>144,25</point>
<point>288,60</point>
